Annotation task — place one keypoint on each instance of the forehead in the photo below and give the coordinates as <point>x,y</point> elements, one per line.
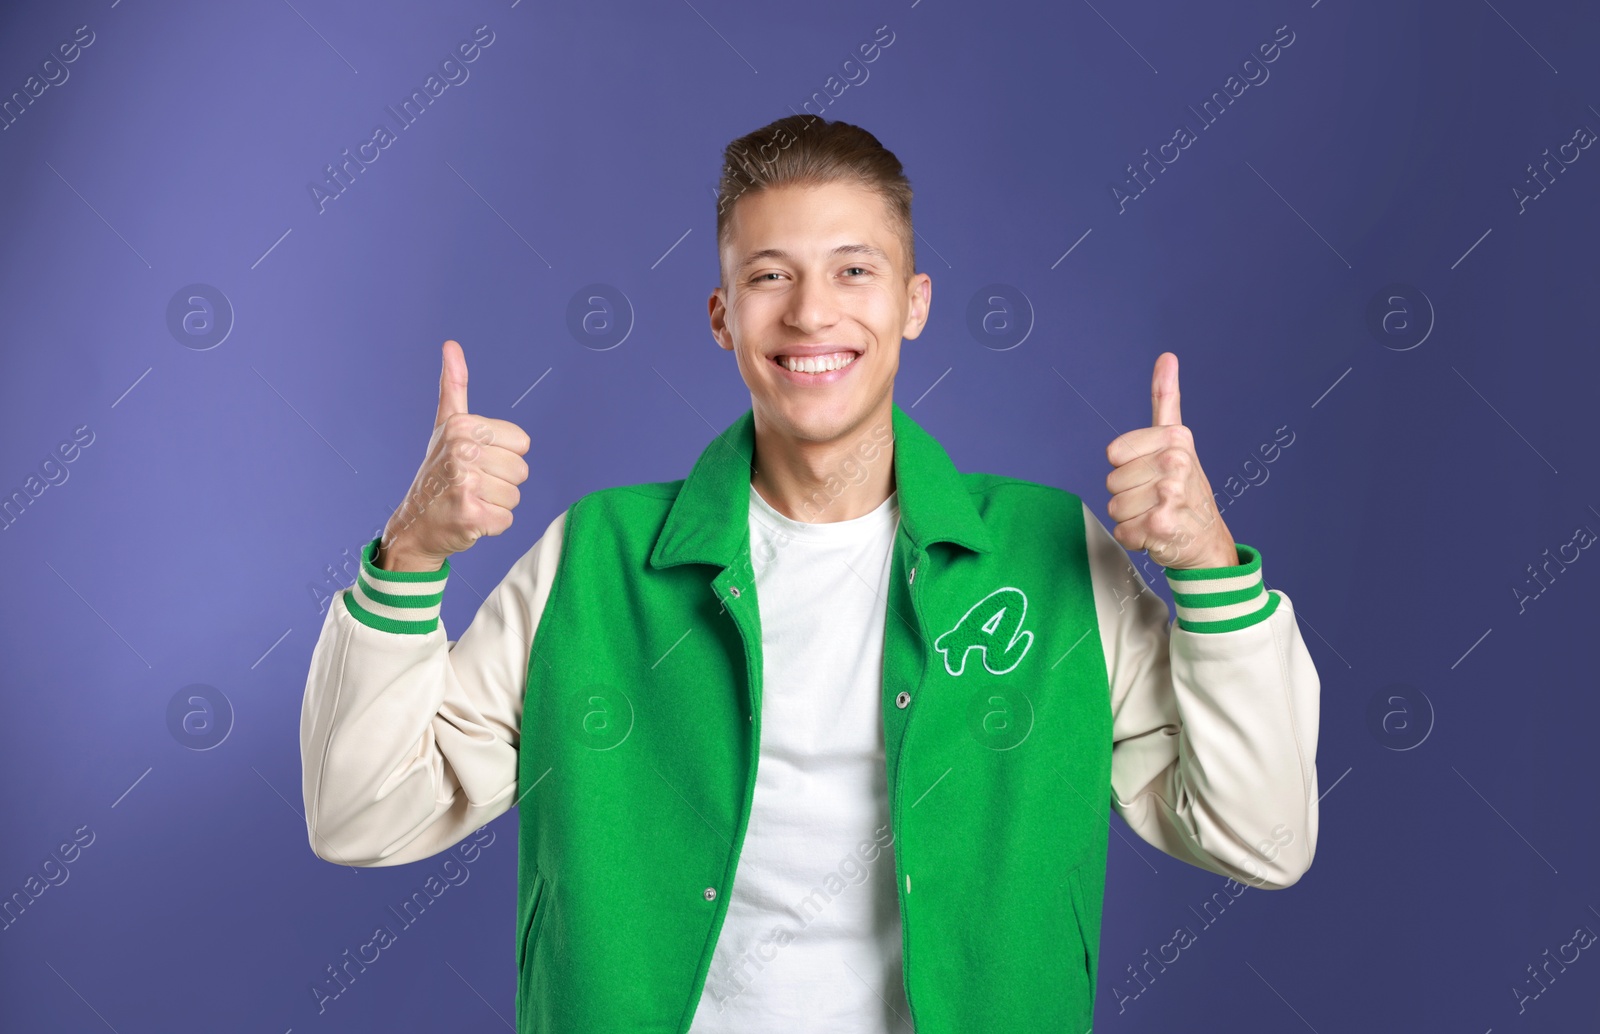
<point>808,219</point>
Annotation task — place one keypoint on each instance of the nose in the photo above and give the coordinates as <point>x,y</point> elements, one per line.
<point>812,305</point>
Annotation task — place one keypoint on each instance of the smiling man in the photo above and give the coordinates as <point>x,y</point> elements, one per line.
<point>825,735</point>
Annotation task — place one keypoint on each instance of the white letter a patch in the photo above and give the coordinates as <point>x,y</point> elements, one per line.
<point>992,626</point>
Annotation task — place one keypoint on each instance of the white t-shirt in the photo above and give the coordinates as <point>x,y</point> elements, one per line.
<point>811,941</point>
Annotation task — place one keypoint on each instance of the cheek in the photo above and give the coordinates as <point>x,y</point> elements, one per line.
<point>889,319</point>
<point>876,308</point>
<point>748,315</point>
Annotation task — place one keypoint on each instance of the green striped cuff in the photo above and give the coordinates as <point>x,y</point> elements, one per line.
<point>1222,599</point>
<point>396,601</point>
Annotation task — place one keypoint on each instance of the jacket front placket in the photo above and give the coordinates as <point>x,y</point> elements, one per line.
<point>934,507</point>
<point>904,670</point>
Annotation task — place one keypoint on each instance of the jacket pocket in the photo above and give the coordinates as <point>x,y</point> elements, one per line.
<point>528,936</point>
<point>1079,914</point>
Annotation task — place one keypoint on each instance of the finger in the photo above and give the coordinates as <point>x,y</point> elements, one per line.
<point>1136,535</point>
<point>496,492</point>
<point>1164,391</point>
<point>1132,503</point>
<point>496,519</point>
<point>1130,476</point>
<point>488,430</point>
<point>503,464</point>
<point>1130,445</point>
<point>478,431</point>
<point>452,383</point>
<point>1130,534</point>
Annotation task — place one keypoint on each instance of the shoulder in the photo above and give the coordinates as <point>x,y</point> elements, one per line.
<point>642,506</point>
<point>631,495</point>
<point>999,496</point>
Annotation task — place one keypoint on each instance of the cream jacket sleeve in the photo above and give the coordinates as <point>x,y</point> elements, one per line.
<point>1214,718</point>
<point>408,741</point>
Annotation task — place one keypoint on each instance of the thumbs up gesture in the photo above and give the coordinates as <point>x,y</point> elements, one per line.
<point>1160,497</point>
<point>467,485</point>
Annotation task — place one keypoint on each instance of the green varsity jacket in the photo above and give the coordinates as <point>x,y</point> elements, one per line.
<point>637,758</point>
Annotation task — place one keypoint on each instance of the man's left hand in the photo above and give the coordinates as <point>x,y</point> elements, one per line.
<point>1160,497</point>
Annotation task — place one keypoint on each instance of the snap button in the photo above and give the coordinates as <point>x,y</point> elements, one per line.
<point>733,590</point>
<point>903,699</point>
<point>711,893</point>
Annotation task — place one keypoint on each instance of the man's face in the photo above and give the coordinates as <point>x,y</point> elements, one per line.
<point>817,273</point>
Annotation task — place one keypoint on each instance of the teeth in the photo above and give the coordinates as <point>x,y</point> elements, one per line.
<point>818,364</point>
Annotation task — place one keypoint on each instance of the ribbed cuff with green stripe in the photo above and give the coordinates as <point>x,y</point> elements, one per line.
<point>1222,599</point>
<point>395,601</point>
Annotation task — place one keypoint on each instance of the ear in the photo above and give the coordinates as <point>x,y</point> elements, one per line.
<point>920,292</point>
<point>717,308</point>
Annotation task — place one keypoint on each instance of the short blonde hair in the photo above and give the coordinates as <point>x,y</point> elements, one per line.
<point>808,150</point>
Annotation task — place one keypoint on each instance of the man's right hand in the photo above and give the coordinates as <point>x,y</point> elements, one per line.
<point>467,485</point>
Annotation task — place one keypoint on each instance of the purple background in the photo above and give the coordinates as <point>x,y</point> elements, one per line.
<point>190,539</point>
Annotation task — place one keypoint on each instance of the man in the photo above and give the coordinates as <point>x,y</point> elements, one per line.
<point>824,736</point>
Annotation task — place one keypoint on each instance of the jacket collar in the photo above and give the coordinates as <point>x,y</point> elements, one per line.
<point>709,520</point>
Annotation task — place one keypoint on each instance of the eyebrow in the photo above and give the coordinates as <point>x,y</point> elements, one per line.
<point>843,249</point>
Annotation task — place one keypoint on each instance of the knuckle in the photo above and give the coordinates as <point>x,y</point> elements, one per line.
<point>459,426</point>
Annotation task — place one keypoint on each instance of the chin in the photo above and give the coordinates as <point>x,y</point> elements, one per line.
<point>818,420</point>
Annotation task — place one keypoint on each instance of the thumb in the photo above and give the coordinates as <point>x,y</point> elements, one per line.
<point>452,383</point>
<point>1164,398</point>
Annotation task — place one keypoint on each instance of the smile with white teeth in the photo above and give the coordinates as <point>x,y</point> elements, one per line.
<point>817,363</point>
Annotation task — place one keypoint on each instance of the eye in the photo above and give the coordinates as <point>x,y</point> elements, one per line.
<point>759,276</point>
<point>862,268</point>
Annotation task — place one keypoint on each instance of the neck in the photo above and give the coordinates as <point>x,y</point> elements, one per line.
<point>825,481</point>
